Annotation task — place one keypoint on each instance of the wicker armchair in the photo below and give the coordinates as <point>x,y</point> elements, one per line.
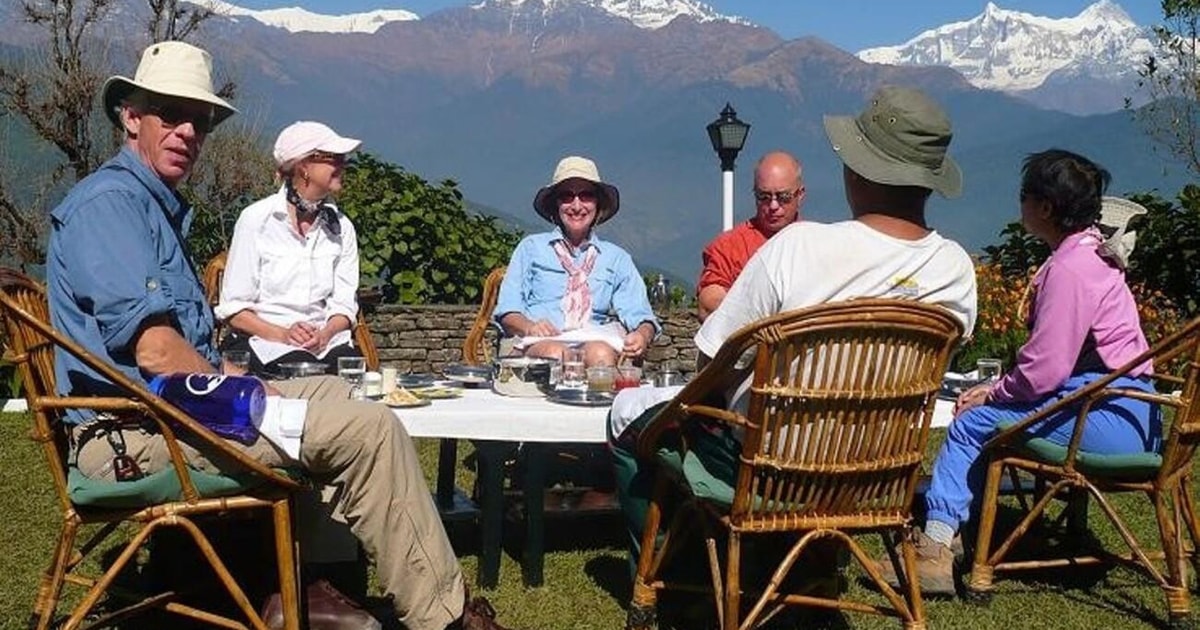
<point>1069,471</point>
<point>173,497</point>
<point>840,407</point>
<point>214,272</point>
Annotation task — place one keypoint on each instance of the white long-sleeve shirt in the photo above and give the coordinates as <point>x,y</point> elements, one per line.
<point>285,277</point>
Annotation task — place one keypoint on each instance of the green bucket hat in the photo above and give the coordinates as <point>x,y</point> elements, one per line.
<point>900,140</point>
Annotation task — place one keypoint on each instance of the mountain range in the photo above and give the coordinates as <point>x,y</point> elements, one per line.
<point>493,93</point>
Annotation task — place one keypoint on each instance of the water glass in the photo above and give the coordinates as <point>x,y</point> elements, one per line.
<point>574,375</point>
<point>235,362</point>
<point>601,378</point>
<point>989,369</point>
<point>351,370</point>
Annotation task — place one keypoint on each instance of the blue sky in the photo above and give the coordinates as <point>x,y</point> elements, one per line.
<point>840,22</point>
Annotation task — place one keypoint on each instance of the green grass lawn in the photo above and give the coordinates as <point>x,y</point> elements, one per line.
<point>587,583</point>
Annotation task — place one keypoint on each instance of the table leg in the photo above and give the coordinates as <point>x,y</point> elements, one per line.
<point>490,460</point>
<point>447,464</point>
<point>533,557</point>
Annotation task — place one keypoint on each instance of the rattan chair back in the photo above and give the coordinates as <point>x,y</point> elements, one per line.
<point>840,405</point>
<point>477,349</point>
<point>31,342</point>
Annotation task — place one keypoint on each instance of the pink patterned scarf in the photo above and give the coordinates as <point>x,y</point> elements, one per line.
<point>577,300</point>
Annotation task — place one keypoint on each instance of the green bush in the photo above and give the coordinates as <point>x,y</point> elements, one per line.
<point>417,242</point>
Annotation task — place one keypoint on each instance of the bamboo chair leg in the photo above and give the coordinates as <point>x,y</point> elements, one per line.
<point>101,585</point>
<point>733,582</point>
<point>218,567</point>
<point>641,614</point>
<point>912,591</point>
<point>286,557</point>
<point>981,569</point>
<point>1189,519</point>
<point>50,588</point>
<point>1174,586</point>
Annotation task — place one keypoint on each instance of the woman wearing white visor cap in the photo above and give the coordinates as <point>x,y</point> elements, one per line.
<point>289,288</point>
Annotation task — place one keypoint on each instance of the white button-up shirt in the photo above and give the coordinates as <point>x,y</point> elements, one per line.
<point>286,277</point>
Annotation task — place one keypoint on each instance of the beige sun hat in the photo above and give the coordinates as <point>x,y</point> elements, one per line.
<point>900,140</point>
<point>170,69</point>
<point>608,198</point>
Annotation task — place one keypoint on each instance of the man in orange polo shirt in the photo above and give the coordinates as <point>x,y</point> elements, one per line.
<point>778,193</point>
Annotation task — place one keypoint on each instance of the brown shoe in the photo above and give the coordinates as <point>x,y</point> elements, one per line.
<point>478,614</point>
<point>935,566</point>
<point>327,610</point>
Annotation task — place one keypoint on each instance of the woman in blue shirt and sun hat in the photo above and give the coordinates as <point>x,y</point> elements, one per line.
<point>568,279</point>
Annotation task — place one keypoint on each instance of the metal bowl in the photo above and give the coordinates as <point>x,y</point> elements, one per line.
<point>468,374</point>
<point>302,368</point>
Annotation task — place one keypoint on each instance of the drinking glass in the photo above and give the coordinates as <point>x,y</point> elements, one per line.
<point>989,369</point>
<point>235,362</point>
<point>574,375</point>
<point>351,370</point>
<point>601,378</point>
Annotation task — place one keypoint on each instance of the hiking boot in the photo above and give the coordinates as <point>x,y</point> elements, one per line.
<point>935,566</point>
<point>478,614</point>
<point>328,609</point>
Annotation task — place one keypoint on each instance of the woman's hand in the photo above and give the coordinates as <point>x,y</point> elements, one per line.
<point>302,334</point>
<point>541,328</point>
<point>635,344</point>
<point>973,397</point>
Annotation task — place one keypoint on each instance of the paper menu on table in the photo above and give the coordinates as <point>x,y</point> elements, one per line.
<point>612,334</point>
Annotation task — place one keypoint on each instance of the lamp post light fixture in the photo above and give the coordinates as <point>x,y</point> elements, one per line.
<point>728,135</point>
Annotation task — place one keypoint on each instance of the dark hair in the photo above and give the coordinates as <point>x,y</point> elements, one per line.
<point>1071,183</point>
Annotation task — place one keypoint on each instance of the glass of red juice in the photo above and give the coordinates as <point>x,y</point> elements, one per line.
<point>628,376</point>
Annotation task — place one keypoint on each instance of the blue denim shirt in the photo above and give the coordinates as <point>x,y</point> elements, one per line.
<point>116,258</point>
<point>535,283</point>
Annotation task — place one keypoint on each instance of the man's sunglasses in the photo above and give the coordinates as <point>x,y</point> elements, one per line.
<point>567,196</point>
<point>784,197</point>
<point>174,114</point>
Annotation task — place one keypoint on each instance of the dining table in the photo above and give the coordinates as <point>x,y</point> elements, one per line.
<point>496,424</point>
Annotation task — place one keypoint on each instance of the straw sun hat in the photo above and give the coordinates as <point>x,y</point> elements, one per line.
<point>608,198</point>
<point>171,69</point>
<point>900,140</point>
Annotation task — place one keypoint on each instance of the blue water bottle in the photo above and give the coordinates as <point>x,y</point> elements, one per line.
<point>231,406</point>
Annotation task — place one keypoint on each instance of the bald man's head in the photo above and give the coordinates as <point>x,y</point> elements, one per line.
<point>778,191</point>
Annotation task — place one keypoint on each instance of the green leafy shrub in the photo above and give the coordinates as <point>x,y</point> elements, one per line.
<point>417,242</point>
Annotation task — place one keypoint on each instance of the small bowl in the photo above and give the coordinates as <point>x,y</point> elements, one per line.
<point>302,368</point>
<point>468,375</point>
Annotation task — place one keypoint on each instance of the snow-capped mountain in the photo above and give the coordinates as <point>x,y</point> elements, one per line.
<point>295,19</point>
<point>1016,52</point>
<point>648,14</point>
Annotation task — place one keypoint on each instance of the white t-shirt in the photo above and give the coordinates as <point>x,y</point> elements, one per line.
<point>809,263</point>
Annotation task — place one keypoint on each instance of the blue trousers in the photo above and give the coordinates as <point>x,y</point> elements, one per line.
<point>1119,425</point>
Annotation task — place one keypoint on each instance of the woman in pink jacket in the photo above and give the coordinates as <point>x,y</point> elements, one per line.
<point>1083,322</point>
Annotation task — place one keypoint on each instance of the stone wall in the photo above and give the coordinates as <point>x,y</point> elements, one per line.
<point>426,338</point>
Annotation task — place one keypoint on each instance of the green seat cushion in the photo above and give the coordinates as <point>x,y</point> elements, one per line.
<point>160,487</point>
<point>704,483</point>
<point>1122,466</point>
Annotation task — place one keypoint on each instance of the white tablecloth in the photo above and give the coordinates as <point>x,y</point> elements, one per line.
<point>484,415</point>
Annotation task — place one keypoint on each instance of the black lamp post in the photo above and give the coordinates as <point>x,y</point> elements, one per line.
<point>728,135</point>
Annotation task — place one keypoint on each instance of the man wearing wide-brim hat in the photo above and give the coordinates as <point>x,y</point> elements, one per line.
<point>120,285</point>
<point>894,156</point>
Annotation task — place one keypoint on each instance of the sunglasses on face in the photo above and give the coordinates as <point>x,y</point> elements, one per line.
<point>174,114</point>
<point>321,157</point>
<point>567,196</point>
<point>784,197</point>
